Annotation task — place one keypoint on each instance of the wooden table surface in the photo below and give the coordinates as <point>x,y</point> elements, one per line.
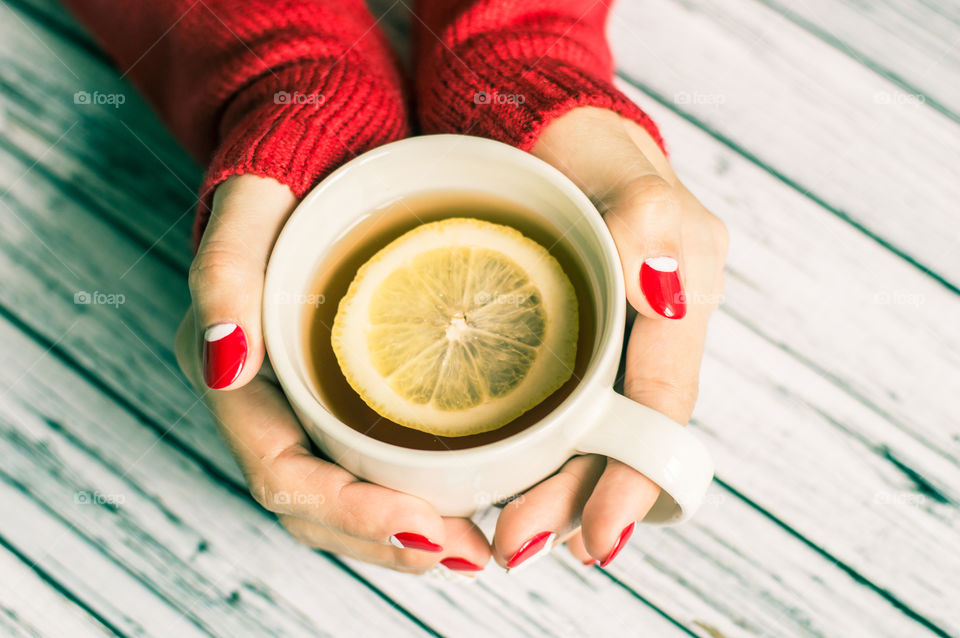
<point>824,132</point>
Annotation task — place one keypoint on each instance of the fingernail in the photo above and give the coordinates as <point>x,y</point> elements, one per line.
<point>460,564</point>
<point>660,283</point>
<point>621,541</point>
<point>590,563</point>
<point>409,540</point>
<point>224,352</point>
<point>532,549</point>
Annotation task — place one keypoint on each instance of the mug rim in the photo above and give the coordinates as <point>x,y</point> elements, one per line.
<point>303,399</point>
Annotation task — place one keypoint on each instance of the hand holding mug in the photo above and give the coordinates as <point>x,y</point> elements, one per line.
<point>220,349</point>
<point>593,501</point>
<point>592,419</point>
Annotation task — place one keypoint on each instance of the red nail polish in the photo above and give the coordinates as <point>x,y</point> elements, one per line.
<point>460,564</point>
<point>224,352</point>
<point>621,541</point>
<point>409,540</point>
<point>660,283</point>
<point>534,546</point>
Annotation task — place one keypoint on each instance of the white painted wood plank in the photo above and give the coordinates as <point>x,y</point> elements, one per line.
<point>727,573</point>
<point>912,41</point>
<point>53,15</point>
<point>759,585</point>
<point>875,326</point>
<point>848,377</point>
<point>80,445</point>
<point>31,607</point>
<point>811,113</point>
<point>143,181</point>
<point>50,542</point>
<point>559,597</point>
<point>835,487</point>
<point>140,527</point>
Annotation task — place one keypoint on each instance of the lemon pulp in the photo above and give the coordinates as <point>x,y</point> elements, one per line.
<point>457,327</point>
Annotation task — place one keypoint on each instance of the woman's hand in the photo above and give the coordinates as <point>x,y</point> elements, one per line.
<point>220,349</point>
<point>672,251</point>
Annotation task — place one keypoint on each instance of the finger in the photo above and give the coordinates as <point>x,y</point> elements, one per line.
<point>226,277</point>
<point>663,364</point>
<point>530,525</point>
<point>332,540</point>
<point>629,179</point>
<point>273,452</point>
<point>465,548</point>
<point>620,498</point>
<point>285,477</point>
<point>644,221</point>
<point>270,445</point>
<point>468,552</point>
<point>576,548</point>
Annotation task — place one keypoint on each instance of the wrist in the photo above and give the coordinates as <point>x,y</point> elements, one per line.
<point>599,149</point>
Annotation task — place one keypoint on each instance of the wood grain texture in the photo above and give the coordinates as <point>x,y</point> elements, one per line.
<point>138,178</point>
<point>816,376</point>
<point>821,369</point>
<point>822,122</point>
<point>143,534</point>
<point>842,306</point>
<point>911,42</point>
<point>33,606</point>
<point>207,444</point>
<point>192,545</point>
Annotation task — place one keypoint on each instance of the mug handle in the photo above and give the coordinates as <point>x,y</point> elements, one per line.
<point>658,447</point>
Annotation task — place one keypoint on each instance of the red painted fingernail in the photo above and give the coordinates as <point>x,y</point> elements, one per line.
<point>460,564</point>
<point>409,540</point>
<point>590,563</point>
<point>224,352</point>
<point>660,283</point>
<point>621,541</point>
<point>533,547</point>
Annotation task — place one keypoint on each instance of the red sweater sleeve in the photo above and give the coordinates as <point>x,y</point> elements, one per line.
<point>504,68</point>
<point>287,89</point>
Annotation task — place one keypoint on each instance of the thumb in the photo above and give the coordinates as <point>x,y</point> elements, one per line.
<point>226,277</point>
<point>644,221</point>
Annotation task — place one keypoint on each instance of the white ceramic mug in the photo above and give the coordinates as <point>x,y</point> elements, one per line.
<point>592,419</point>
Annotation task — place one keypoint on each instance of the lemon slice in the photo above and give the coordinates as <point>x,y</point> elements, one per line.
<point>457,327</point>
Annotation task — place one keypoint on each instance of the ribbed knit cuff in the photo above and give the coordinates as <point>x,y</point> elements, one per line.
<point>507,101</point>
<point>299,124</point>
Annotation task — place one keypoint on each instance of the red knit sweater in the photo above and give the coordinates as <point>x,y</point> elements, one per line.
<point>291,89</point>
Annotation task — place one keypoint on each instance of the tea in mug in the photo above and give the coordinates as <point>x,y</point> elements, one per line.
<point>376,231</point>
